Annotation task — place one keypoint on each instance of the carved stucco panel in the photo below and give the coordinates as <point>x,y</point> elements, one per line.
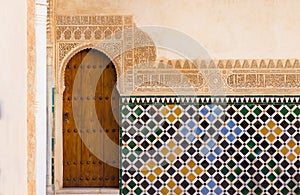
<point>134,55</point>
<point>116,36</point>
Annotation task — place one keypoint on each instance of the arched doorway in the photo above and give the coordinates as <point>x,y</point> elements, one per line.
<point>89,160</point>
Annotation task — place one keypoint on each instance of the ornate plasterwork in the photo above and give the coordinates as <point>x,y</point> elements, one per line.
<point>134,55</point>
<point>219,77</point>
<point>116,36</point>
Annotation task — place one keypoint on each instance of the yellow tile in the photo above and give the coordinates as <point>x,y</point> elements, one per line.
<point>171,106</point>
<point>191,163</point>
<point>151,164</point>
<point>291,143</point>
<point>178,151</point>
<point>164,190</point>
<point>178,190</point>
<point>145,171</point>
<point>271,137</point>
<point>171,184</point>
<point>178,111</point>
<point>171,144</point>
<point>165,151</point>
<point>291,157</point>
<point>191,177</point>
<point>278,130</point>
<point>184,171</point>
<point>284,150</point>
<point>264,131</point>
<point>171,157</point>
<point>198,170</point>
<point>151,177</point>
<point>297,150</point>
<point>271,124</point>
<point>171,118</point>
<point>164,111</point>
<point>157,171</point>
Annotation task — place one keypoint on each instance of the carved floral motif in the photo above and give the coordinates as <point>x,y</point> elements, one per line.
<point>134,55</point>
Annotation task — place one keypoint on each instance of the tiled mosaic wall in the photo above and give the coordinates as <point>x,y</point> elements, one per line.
<point>199,145</point>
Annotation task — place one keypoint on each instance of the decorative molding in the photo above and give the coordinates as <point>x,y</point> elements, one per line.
<point>211,100</point>
<point>134,55</point>
<point>218,77</point>
<point>116,36</point>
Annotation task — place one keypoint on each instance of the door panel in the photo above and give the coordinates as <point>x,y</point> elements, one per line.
<point>88,158</point>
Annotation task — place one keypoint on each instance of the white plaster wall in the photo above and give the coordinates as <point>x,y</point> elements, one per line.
<point>13,97</point>
<point>228,29</point>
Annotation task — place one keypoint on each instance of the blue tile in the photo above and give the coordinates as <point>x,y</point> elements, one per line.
<point>205,190</point>
<point>198,131</point>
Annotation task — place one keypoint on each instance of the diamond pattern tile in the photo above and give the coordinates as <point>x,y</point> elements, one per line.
<point>195,145</point>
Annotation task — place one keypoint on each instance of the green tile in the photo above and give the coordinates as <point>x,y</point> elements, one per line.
<point>131,118</point>
<point>145,131</point>
<point>151,124</point>
<point>297,190</point>
<point>257,150</point>
<point>278,170</point>
<point>291,184</point>
<point>297,111</point>
<point>258,190</point>
<point>244,150</point>
<point>131,157</point>
<point>224,170</point>
<point>151,138</point>
<point>125,151</point>
<point>238,171</point>
<point>251,157</point>
<point>231,177</point>
<point>251,184</point>
<point>131,144</point>
<point>138,191</point>
<point>131,184</point>
<point>271,177</point>
<point>271,164</point>
<point>125,111</point>
<point>138,151</point>
<point>251,144</point>
<point>257,111</point>
<point>250,117</point>
<point>250,106</point>
<point>244,111</point>
<point>138,111</point>
<point>131,105</point>
<point>284,190</point>
<point>284,111</point>
<point>245,190</point>
<point>265,170</point>
<point>125,191</point>
<point>231,164</point>
<point>158,131</point>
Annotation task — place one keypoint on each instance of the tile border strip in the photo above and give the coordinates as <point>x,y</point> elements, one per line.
<point>209,100</point>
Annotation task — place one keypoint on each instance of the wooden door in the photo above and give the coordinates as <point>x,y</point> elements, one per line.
<point>89,160</point>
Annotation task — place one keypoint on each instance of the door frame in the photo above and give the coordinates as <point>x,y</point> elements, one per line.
<point>58,122</point>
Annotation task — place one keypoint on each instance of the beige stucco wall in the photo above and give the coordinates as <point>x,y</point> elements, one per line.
<point>228,29</point>
<point>13,97</point>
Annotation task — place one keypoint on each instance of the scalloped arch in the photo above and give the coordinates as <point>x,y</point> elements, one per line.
<point>73,52</point>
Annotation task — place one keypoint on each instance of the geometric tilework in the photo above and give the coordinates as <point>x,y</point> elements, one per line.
<point>205,148</point>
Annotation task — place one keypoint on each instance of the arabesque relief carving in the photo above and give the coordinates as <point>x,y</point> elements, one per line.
<point>116,36</point>
<point>225,76</point>
<point>140,73</point>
